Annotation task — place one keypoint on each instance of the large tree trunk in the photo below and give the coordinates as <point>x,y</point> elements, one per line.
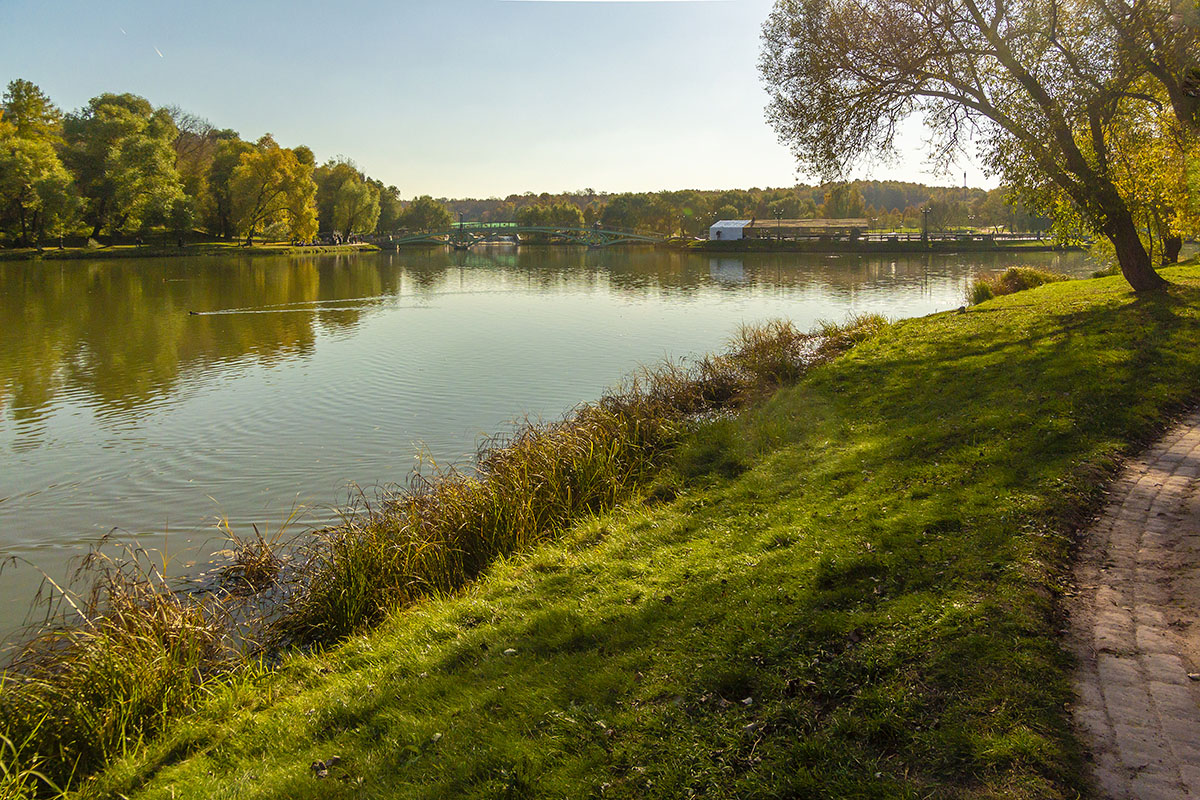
<point>24,240</point>
<point>1172,247</point>
<point>99,219</point>
<point>1131,254</point>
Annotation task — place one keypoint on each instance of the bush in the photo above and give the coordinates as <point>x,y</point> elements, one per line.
<point>1012,280</point>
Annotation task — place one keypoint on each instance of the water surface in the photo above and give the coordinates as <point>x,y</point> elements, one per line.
<point>155,397</point>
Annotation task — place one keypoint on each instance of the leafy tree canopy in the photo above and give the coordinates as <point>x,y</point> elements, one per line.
<point>272,191</point>
<point>1033,82</point>
<point>347,203</point>
<point>122,152</point>
<point>30,111</point>
<point>426,214</point>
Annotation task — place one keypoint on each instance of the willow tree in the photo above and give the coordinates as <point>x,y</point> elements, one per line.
<point>37,193</point>
<point>347,203</point>
<point>119,148</point>
<point>1163,38</point>
<point>1038,85</point>
<point>272,188</point>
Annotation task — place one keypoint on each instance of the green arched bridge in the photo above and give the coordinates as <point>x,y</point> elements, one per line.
<point>465,235</point>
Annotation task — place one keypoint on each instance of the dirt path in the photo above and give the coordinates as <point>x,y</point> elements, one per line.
<point>1135,627</point>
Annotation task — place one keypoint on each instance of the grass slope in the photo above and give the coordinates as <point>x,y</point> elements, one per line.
<point>851,595</point>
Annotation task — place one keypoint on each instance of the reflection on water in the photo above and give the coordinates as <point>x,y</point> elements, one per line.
<point>154,395</point>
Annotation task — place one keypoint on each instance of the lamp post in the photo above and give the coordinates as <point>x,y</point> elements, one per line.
<point>925,223</point>
<point>778,216</point>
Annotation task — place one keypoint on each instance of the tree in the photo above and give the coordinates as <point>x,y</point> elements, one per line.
<point>728,212</point>
<point>346,202</point>
<point>945,212</point>
<point>426,214</point>
<point>1036,87</point>
<point>181,216</point>
<point>30,111</point>
<point>1151,164</point>
<point>502,212</point>
<point>535,215</point>
<point>791,206</point>
<point>390,207</point>
<point>121,150</point>
<point>273,188</point>
<point>566,215</point>
<point>37,193</point>
<point>218,198</point>
<point>843,201</point>
<point>620,213</point>
<point>1160,36</point>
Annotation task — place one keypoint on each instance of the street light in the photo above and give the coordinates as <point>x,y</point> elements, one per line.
<point>778,216</point>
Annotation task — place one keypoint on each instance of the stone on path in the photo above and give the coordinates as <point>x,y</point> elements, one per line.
<point>1135,627</point>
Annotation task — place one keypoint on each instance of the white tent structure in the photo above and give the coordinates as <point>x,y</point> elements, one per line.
<point>728,230</point>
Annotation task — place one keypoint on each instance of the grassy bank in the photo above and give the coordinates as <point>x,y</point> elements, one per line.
<point>167,251</point>
<point>847,591</point>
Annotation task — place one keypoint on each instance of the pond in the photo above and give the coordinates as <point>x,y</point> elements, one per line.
<point>155,397</point>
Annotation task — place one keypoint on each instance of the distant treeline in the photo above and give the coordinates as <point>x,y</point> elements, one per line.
<point>121,167</point>
<point>888,204</point>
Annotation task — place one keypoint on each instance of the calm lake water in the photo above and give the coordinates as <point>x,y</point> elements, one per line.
<point>300,378</point>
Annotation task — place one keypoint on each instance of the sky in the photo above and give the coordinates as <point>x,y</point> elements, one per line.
<point>453,98</point>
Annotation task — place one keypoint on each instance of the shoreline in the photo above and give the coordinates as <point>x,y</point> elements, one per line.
<point>862,247</point>
<point>800,248</point>
<point>191,250</point>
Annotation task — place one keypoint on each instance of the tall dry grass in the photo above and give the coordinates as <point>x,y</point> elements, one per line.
<point>109,668</point>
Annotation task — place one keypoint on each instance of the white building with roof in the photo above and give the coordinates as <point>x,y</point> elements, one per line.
<point>728,230</point>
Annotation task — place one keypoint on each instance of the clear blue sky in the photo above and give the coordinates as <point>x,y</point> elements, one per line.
<point>445,97</point>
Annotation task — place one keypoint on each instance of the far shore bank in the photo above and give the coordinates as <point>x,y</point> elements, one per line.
<point>160,251</point>
<point>859,247</point>
<point>862,246</point>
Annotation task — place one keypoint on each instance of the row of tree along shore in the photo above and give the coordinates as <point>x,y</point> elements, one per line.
<point>887,243</point>
<point>121,170</point>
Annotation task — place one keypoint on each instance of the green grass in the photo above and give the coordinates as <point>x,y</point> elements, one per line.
<point>848,591</point>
